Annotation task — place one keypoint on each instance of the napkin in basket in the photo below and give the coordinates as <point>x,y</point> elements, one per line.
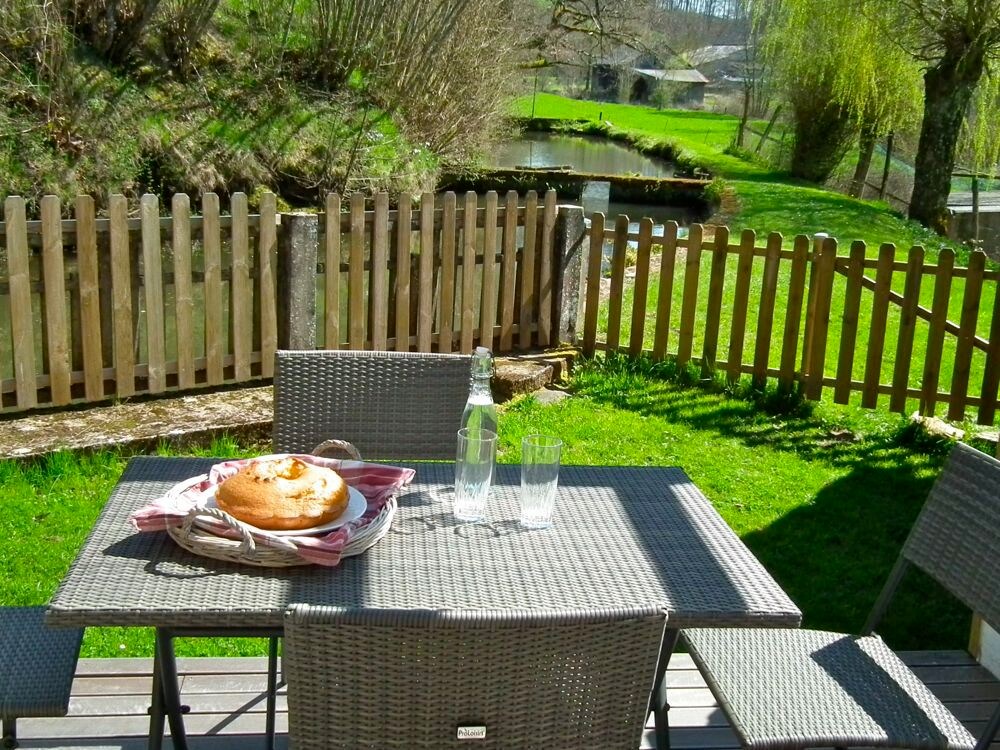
<point>377,482</point>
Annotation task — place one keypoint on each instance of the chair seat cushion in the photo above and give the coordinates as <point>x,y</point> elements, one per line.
<point>37,663</point>
<point>784,688</point>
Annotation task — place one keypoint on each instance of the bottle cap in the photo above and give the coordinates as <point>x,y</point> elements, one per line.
<point>482,362</point>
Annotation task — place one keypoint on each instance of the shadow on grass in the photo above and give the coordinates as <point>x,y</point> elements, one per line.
<point>832,556</point>
<point>833,552</point>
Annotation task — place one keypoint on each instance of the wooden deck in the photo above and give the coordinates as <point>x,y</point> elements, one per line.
<point>110,696</point>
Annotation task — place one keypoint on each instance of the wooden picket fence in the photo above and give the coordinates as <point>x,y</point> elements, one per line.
<point>95,308</point>
<point>804,315</point>
<point>489,280</point>
<point>148,301</point>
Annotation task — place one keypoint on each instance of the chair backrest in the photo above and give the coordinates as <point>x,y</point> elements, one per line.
<point>956,537</point>
<point>391,405</point>
<point>514,679</point>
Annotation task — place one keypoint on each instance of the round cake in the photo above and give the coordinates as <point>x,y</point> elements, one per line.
<point>283,494</point>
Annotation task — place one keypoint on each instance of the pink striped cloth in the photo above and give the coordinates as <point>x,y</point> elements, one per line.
<point>377,482</point>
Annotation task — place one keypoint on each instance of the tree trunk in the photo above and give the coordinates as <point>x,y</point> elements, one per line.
<point>948,89</point>
<point>866,148</point>
<point>745,118</point>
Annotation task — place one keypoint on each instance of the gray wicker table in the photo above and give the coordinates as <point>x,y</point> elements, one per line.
<point>623,536</point>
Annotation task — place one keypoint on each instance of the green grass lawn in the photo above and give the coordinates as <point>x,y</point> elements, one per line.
<point>769,201</point>
<point>917,358</point>
<point>822,495</point>
<point>49,507</point>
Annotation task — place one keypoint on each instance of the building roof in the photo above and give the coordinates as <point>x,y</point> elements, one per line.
<point>712,53</point>
<point>681,76</point>
<point>621,56</point>
<point>617,57</point>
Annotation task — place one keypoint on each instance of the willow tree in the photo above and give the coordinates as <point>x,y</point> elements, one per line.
<point>837,75</point>
<point>953,46</point>
<point>957,42</point>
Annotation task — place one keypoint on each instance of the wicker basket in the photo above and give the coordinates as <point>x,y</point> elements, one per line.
<point>278,552</point>
<point>246,550</point>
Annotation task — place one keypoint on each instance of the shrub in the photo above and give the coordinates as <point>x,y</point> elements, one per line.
<point>180,26</point>
<point>35,51</point>
<point>716,190</point>
<point>442,65</point>
<point>113,28</point>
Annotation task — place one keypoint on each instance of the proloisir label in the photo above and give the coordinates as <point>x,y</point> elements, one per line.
<point>472,733</point>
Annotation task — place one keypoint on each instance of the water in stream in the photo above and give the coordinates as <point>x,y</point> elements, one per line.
<point>600,156</point>
<point>582,153</point>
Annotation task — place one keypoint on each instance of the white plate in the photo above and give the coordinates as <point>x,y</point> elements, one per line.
<point>356,507</point>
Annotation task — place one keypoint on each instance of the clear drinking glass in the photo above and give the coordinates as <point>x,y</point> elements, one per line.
<point>474,462</point>
<point>539,479</point>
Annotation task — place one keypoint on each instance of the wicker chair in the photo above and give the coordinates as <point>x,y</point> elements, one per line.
<point>802,688</point>
<point>434,679</point>
<point>391,405</point>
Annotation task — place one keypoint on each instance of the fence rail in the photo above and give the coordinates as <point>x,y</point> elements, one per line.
<point>803,314</point>
<point>151,301</point>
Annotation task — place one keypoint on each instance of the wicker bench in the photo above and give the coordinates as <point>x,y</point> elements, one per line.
<point>36,667</point>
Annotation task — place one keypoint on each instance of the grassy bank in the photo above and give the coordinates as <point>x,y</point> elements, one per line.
<point>298,99</point>
<point>822,496</point>
<point>766,200</point>
<point>227,130</point>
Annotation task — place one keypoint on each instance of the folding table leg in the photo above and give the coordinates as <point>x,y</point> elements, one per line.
<point>170,687</point>
<point>658,698</point>
<point>156,715</point>
<point>272,689</point>
<point>9,727</point>
<point>168,694</point>
<point>991,731</point>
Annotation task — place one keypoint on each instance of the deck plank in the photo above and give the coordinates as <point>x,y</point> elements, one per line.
<point>104,705</point>
<point>110,698</point>
<point>935,658</point>
<point>972,674</point>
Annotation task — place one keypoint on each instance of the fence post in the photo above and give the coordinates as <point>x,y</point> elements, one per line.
<point>298,247</point>
<point>570,271</point>
<point>975,210</point>
<point>821,319</point>
<point>807,338</point>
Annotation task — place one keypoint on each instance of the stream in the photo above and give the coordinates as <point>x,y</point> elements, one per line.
<point>599,156</point>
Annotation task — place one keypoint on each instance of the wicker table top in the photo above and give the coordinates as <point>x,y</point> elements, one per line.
<point>623,536</point>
